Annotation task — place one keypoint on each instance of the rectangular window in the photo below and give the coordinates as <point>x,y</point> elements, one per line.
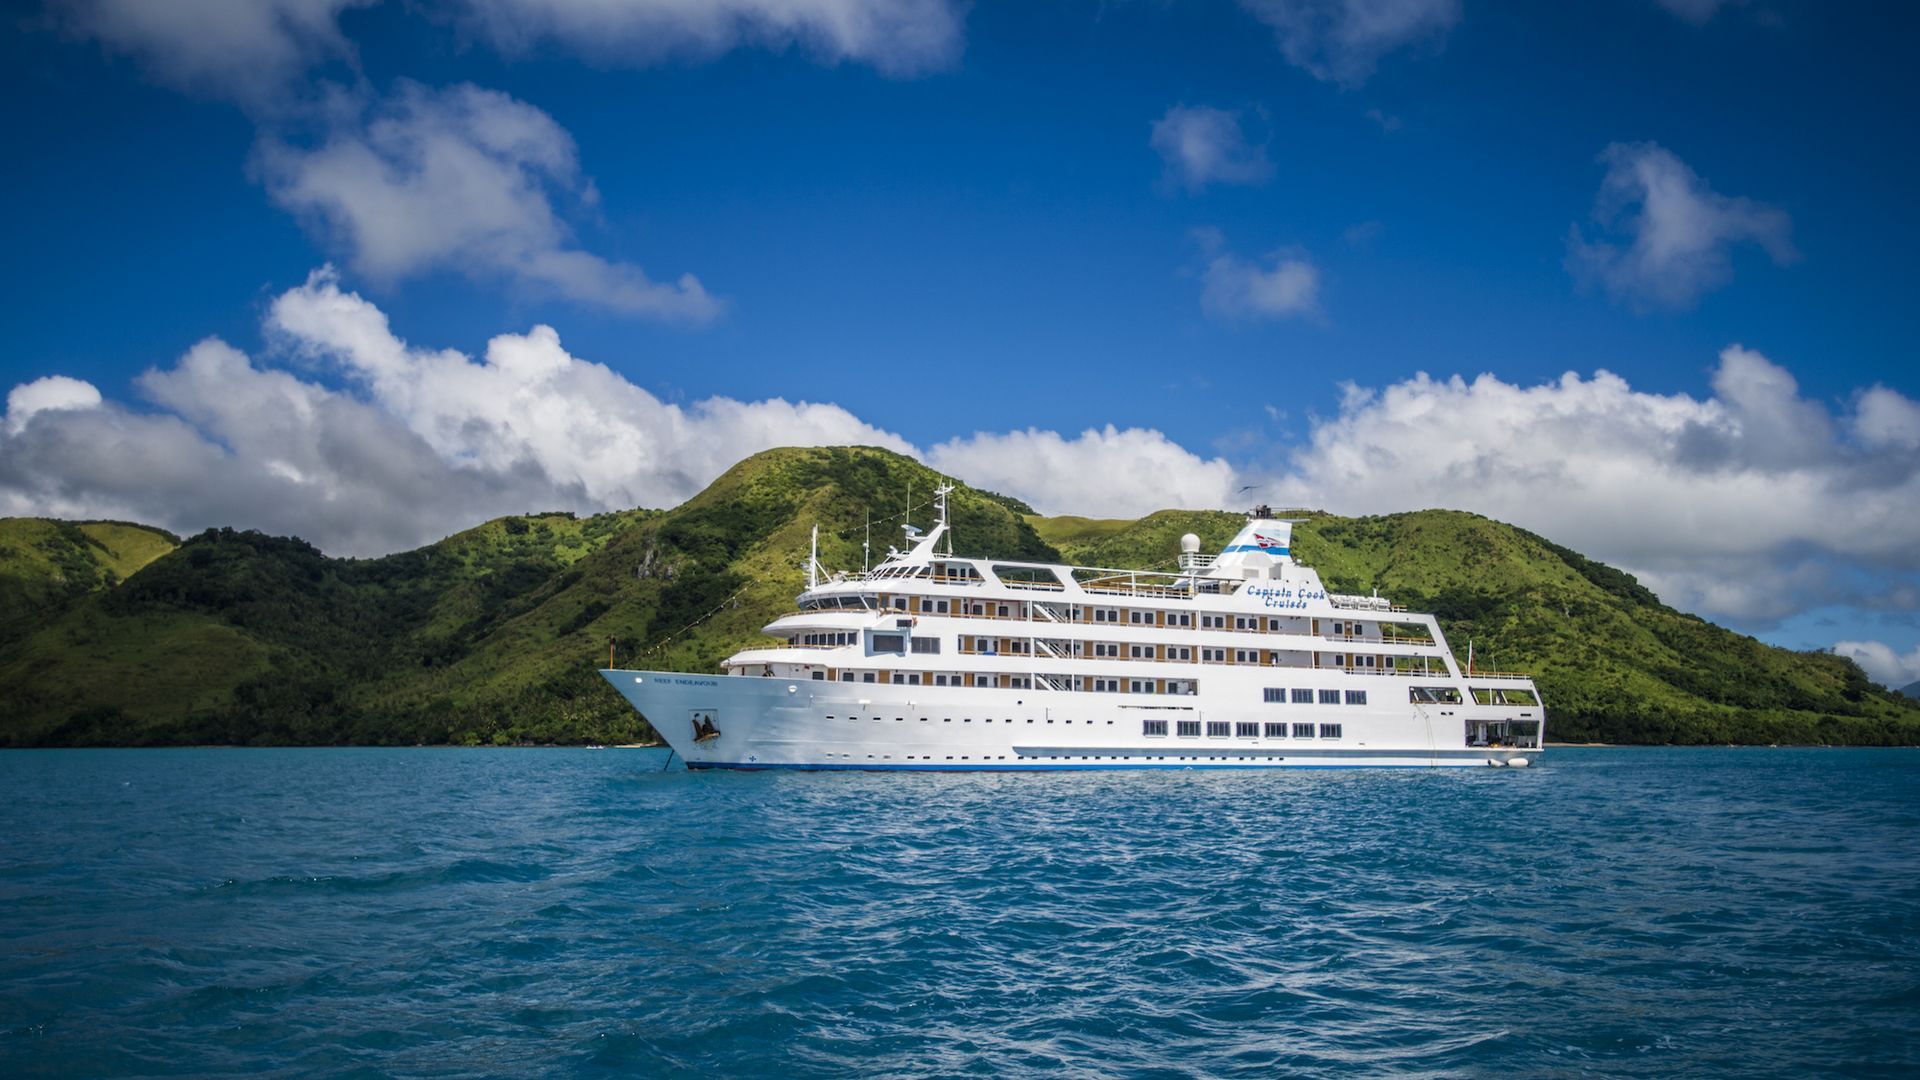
<point>1275,695</point>
<point>1356,697</point>
<point>1153,727</point>
<point>1182,653</point>
<point>1329,731</point>
<point>926,645</point>
<point>1246,731</point>
<point>846,676</point>
<point>867,677</point>
<point>939,680</point>
<point>899,679</point>
<point>819,676</point>
<point>1138,651</point>
<point>1329,697</point>
<point>940,606</point>
<point>1188,729</point>
<point>1302,697</point>
<point>889,643</point>
<point>1276,731</point>
<point>1218,729</point>
<point>1303,731</point>
<point>1438,695</point>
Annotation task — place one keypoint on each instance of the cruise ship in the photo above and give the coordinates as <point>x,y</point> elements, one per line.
<point>1240,660</point>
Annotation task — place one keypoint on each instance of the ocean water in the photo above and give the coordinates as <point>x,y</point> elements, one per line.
<point>487,912</point>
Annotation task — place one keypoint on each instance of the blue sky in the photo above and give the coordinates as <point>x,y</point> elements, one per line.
<point>958,225</point>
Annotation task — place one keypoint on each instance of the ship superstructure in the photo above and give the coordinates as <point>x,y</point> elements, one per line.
<point>1238,660</point>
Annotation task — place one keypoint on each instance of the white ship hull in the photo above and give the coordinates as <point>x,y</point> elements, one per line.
<point>776,723</point>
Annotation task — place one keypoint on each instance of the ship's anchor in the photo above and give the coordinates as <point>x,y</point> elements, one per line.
<point>703,729</point>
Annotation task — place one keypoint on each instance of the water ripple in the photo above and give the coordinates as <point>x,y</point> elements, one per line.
<point>474,913</point>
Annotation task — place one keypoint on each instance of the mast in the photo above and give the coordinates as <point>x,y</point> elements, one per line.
<point>813,559</point>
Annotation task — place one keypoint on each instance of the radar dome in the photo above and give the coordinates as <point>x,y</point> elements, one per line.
<point>1190,544</point>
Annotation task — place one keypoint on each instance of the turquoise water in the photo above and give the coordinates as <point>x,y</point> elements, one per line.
<point>479,912</point>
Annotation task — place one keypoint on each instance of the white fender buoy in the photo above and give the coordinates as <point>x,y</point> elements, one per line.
<point>1517,763</point>
<point>1495,762</point>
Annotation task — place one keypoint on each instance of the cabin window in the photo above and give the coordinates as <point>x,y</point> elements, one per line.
<point>889,643</point>
<point>867,677</point>
<point>1188,729</point>
<point>1276,731</point>
<point>1302,697</point>
<point>1303,731</point>
<point>1356,697</point>
<point>1153,727</point>
<point>1183,653</point>
<point>1180,618</point>
<point>1437,695</point>
<point>1246,731</point>
<point>940,606</point>
<point>819,676</point>
<point>1275,695</point>
<point>846,676</point>
<point>899,679</point>
<point>900,603</point>
<point>926,645</point>
<point>1329,697</point>
<point>1329,731</point>
<point>1218,729</point>
<point>1140,651</point>
<point>1246,656</point>
<point>1003,611</point>
<point>1213,656</point>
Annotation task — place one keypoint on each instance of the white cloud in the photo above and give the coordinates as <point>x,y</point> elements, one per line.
<point>1202,145</point>
<point>1344,40</point>
<point>421,444</point>
<point>1105,472</point>
<point>1728,505</point>
<point>1284,284</point>
<point>256,52</point>
<point>54,393</point>
<point>1881,663</point>
<point>1681,231</point>
<point>461,178</point>
<point>898,37</point>
<point>1752,503</point>
<point>249,51</point>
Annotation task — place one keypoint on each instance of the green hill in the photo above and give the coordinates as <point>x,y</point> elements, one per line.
<point>1911,690</point>
<point>45,566</point>
<point>493,635</point>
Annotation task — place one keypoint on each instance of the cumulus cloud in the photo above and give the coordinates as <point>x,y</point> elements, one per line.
<point>1202,145</point>
<point>1106,472</point>
<point>1678,233</point>
<point>55,393</point>
<point>248,51</point>
<point>1735,504</point>
<point>1284,284</point>
<point>460,178</point>
<point>419,444</point>
<point>1751,503</point>
<point>898,37</point>
<point>255,52</point>
<point>1881,662</point>
<point>1344,40</point>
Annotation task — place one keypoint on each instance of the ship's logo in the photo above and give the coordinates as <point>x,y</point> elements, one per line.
<point>1266,541</point>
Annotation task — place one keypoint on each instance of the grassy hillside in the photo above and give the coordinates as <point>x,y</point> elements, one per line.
<point>493,635</point>
<point>47,565</point>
